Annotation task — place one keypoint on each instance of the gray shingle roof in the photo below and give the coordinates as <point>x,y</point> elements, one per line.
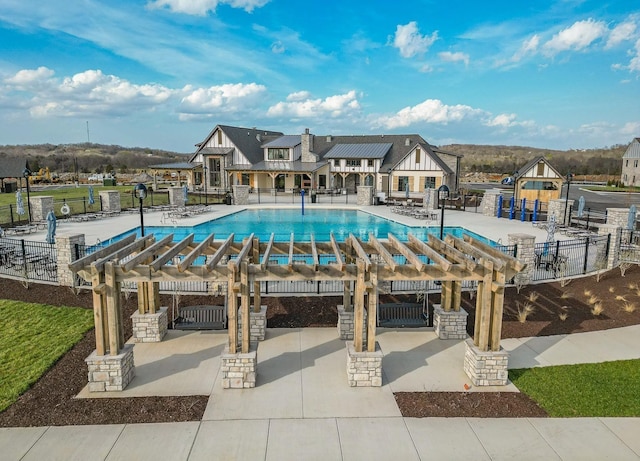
<point>12,167</point>
<point>288,140</point>
<point>359,150</point>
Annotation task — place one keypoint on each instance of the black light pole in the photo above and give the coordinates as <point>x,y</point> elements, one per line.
<point>515,174</point>
<point>26,173</point>
<point>141,191</point>
<point>204,179</point>
<point>441,189</point>
<point>389,186</point>
<point>566,198</point>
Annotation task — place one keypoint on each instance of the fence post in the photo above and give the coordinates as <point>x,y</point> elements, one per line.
<point>615,240</point>
<point>66,248</point>
<point>525,246</point>
<point>586,255</point>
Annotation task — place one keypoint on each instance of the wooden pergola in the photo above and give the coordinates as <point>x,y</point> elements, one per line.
<point>362,266</point>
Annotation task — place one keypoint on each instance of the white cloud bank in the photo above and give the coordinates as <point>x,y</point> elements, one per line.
<point>301,105</point>
<point>576,37</point>
<point>410,42</point>
<point>202,7</point>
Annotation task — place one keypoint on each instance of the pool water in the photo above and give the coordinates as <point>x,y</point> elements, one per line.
<point>319,223</point>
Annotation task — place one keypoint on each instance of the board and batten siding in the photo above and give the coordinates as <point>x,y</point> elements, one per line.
<point>538,172</point>
<point>220,139</point>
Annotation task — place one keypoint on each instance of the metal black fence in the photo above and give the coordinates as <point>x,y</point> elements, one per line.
<point>568,258</point>
<point>28,261</point>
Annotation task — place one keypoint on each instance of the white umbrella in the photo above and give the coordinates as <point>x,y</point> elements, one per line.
<point>19,203</point>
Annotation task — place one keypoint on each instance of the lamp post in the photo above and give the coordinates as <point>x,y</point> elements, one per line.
<point>389,185</point>
<point>26,173</point>
<point>141,192</point>
<point>566,198</point>
<point>442,189</point>
<point>515,175</point>
<point>204,180</point>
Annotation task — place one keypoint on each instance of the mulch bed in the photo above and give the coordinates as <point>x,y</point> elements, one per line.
<point>556,310</point>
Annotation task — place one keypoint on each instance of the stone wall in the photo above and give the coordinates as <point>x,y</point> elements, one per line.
<point>485,368</point>
<point>176,196</point>
<point>430,199</point>
<point>450,325</point>
<point>40,207</point>
<point>257,324</point>
<point>111,372</point>
<point>150,328</point>
<point>614,243</point>
<point>525,252</point>
<point>241,195</point>
<point>364,369</point>
<point>239,370</point>
<point>618,217</point>
<point>365,195</point>
<point>66,250</point>
<point>110,200</point>
<point>557,208</point>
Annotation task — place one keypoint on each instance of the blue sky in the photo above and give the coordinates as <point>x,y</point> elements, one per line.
<point>163,73</point>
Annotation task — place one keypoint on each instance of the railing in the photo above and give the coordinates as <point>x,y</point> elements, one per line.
<point>28,261</point>
<point>567,258</point>
<point>629,246</point>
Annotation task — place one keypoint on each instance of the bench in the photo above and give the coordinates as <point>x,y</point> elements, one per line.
<point>401,315</point>
<point>201,318</point>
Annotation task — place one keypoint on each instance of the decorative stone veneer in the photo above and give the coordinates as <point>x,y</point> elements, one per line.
<point>485,368</point>
<point>364,369</point>
<point>257,324</point>
<point>490,202</point>
<point>176,196</point>
<point>430,199</point>
<point>150,328</point>
<point>450,325</point>
<point>525,252</point>
<point>346,323</point>
<point>239,370</point>
<point>365,195</point>
<point>66,250</point>
<point>111,372</point>
<point>614,243</point>
<point>241,195</point>
<point>40,207</point>
<point>110,200</point>
<point>557,208</point>
<point>618,217</point>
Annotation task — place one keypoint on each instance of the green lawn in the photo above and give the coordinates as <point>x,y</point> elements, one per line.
<point>34,337</point>
<point>593,389</point>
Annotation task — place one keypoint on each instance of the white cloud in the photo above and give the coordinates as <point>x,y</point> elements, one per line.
<point>278,47</point>
<point>576,37</point>
<point>448,56</point>
<point>428,111</point>
<point>202,7</point>
<point>631,128</point>
<point>529,47</point>
<point>620,33</point>
<point>634,64</point>
<point>502,120</point>
<point>299,96</point>
<point>226,98</point>
<point>30,78</point>
<point>332,106</point>
<point>410,42</point>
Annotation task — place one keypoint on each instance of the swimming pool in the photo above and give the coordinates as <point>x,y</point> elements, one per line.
<point>319,223</point>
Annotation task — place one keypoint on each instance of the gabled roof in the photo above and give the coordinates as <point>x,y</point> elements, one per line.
<point>247,140</point>
<point>359,150</point>
<point>12,167</point>
<point>633,151</point>
<point>174,166</point>
<point>288,140</point>
<point>527,167</point>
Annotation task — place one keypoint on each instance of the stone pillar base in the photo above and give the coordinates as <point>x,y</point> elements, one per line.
<point>257,324</point>
<point>486,368</point>
<point>239,370</point>
<point>346,322</point>
<point>111,372</point>
<point>150,328</point>
<point>364,369</point>
<point>450,325</point>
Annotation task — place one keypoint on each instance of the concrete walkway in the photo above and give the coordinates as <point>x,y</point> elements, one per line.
<point>302,407</point>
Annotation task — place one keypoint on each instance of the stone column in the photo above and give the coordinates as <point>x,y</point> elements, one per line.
<point>241,195</point>
<point>40,207</point>
<point>364,369</point>
<point>346,323</point>
<point>618,217</point>
<point>110,200</point>
<point>490,202</point>
<point>557,207</point>
<point>111,372</point>
<point>430,198</point>
<point>150,328</point>
<point>176,196</point>
<point>614,243</point>
<point>66,250</point>
<point>257,324</point>
<point>526,247</point>
<point>486,368</point>
<point>239,370</point>
<point>365,196</point>
<point>449,324</point>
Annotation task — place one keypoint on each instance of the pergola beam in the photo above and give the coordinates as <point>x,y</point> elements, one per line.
<point>267,252</point>
<point>220,252</point>
<point>498,261</point>
<point>336,252</point>
<point>87,260</point>
<point>172,252</point>
<point>314,253</point>
<point>407,253</point>
<point>430,253</point>
<point>447,250</point>
<point>355,243</point>
<point>147,253</point>
<point>193,255</point>
<point>383,252</point>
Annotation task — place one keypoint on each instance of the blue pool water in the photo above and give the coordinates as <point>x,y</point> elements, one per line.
<point>283,222</point>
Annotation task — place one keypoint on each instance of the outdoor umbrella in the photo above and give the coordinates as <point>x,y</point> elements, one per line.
<point>581,206</point>
<point>51,227</point>
<point>19,203</point>
<point>631,220</point>
<point>406,189</point>
<point>91,199</point>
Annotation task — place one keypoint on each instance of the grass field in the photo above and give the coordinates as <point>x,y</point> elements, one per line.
<point>609,389</point>
<point>33,338</point>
